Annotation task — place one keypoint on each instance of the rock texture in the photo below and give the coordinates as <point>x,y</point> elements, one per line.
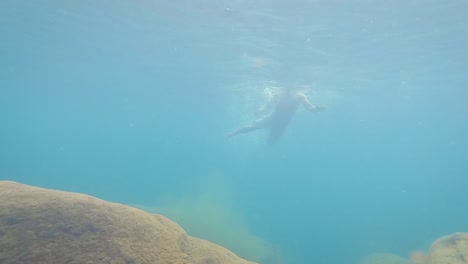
<point>47,226</point>
<point>451,249</point>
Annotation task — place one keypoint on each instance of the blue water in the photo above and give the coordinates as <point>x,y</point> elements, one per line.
<point>129,101</point>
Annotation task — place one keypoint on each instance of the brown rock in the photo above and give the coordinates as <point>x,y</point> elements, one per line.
<point>451,249</point>
<point>48,226</point>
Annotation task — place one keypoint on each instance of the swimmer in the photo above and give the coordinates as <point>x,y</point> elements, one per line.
<point>278,112</point>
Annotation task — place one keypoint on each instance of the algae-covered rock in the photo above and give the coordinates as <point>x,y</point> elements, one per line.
<point>451,249</point>
<point>47,226</point>
<point>384,258</point>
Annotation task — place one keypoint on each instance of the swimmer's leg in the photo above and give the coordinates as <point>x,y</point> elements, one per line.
<point>255,126</point>
<point>275,133</point>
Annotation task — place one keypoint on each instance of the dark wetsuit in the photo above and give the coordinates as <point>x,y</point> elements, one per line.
<point>285,106</point>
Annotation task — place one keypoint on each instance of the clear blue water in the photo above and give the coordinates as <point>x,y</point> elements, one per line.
<point>129,101</point>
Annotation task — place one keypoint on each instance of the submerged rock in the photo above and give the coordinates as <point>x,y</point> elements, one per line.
<point>48,226</point>
<point>451,249</point>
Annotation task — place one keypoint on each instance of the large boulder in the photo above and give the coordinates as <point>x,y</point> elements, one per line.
<point>451,249</point>
<point>48,226</point>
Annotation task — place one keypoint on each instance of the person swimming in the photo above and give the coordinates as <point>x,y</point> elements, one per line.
<point>276,114</point>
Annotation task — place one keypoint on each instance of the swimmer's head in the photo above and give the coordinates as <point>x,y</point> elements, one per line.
<point>271,92</point>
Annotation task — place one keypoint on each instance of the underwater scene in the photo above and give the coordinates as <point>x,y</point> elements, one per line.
<point>299,132</point>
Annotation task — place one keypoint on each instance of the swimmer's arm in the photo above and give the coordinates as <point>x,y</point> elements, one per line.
<point>309,106</point>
